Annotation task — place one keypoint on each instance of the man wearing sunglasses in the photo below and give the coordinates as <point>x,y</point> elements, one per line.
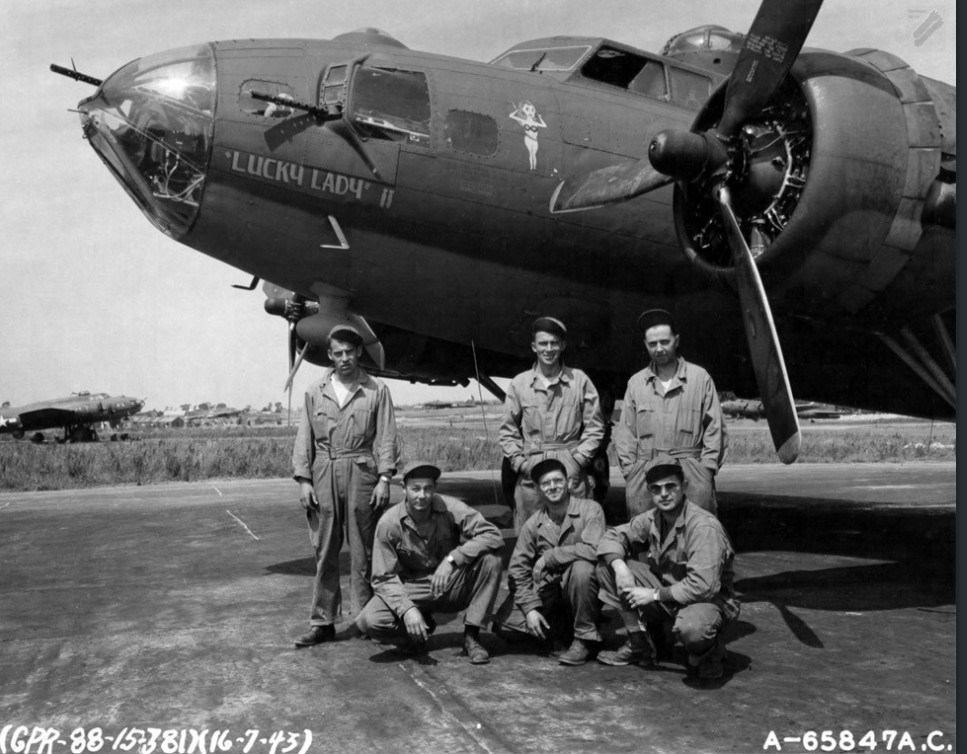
<point>669,567</point>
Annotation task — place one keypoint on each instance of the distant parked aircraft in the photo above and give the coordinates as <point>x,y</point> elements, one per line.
<point>741,408</point>
<point>77,414</point>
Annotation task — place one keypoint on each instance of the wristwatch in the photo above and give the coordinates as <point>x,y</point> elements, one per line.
<point>385,478</point>
<point>450,560</point>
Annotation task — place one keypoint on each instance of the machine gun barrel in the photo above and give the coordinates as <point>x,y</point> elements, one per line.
<point>76,75</point>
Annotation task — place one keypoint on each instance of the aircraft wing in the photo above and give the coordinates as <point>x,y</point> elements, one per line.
<point>47,417</point>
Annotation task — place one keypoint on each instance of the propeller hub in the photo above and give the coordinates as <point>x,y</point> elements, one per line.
<point>686,156</point>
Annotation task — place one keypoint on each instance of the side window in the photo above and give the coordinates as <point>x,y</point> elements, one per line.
<point>612,66</point>
<point>332,88</point>
<point>248,104</point>
<point>471,132</point>
<point>689,89</point>
<point>391,104</point>
<point>651,81</point>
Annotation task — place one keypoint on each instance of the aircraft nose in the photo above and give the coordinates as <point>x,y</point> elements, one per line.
<point>151,122</point>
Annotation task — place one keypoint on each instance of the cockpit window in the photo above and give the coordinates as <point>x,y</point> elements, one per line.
<point>689,89</point>
<point>542,59</point>
<point>391,104</point>
<point>612,66</point>
<point>151,122</point>
<point>650,81</point>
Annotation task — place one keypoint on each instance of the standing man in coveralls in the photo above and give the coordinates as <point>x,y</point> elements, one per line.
<point>344,458</point>
<point>551,411</point>
<point>670,407</point>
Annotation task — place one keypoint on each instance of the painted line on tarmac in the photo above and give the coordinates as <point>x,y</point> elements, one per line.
<point>217,490</point>
<point>244,525</point>
<point>4,506</point>
<point>454,708</point>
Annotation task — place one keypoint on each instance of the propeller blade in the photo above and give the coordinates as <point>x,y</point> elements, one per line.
<point>295,368</point>
<point>760,330</point>
<point>610,185</point>
<point>293,344</point>
<point>777,35</point>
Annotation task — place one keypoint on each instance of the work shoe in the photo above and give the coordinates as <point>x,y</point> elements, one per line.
<point>475,650</point>
<point>576,654</point>
<point>636,650</point>
<point>316,635</point>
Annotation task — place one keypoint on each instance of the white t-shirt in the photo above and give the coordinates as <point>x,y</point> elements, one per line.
<point>342,391</point>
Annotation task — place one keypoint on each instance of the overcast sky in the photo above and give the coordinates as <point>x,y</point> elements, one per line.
<point>92,297</point>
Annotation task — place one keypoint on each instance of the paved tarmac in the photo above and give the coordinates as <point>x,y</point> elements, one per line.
<point>173,607</point>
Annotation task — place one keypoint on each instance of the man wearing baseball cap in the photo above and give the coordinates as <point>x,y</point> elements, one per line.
<point>344,458</point>
<point>669,566</point>
<point>670,407</point>
<point>433,553</point>
<point>553,588</point>
<point>551,411</point>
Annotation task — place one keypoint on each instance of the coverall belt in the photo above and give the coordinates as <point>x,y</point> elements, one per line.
<point>332,452</point>
<point>533,449</point>
<point>677,452</point>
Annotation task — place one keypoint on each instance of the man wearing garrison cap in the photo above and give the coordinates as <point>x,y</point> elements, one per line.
<point>344,458</point>
<point>669,568</point>
<point>551,411</point>
<point>433,553</point>
<point>553,589</point>
<point>670,407</point>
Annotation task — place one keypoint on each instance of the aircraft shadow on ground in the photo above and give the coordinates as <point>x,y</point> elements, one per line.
<point>917,548</point>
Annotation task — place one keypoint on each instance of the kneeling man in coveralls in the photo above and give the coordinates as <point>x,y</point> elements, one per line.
<point>670,565</point>
<point>551,574</point>
<point>432,553</point>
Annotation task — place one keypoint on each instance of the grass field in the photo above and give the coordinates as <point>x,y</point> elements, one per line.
<point>456,439</point>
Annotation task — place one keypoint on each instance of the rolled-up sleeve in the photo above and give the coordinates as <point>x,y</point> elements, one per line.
<point>386,569</point>
<point>705,555</point>
<point>303,452</point>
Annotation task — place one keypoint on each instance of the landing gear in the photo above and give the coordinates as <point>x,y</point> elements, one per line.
<point>37,438</point>
<point>80,433</point>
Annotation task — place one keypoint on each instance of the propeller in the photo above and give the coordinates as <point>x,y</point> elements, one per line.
<point>760,332</point>
<point>706,159</point>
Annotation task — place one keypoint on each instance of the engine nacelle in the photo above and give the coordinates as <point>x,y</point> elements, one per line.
<point>840,185</point>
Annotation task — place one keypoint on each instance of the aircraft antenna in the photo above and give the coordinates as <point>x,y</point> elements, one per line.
<point>483,415</point>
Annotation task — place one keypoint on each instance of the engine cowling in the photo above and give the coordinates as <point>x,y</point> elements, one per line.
<point>844,185</point>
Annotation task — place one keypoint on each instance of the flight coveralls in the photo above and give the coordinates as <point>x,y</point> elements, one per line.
<point>685,421</point>
<point>404,562</point>
<point>344,451</point>
<point>569,581</point>
<point>562,420</point>
<point>692,571</point>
